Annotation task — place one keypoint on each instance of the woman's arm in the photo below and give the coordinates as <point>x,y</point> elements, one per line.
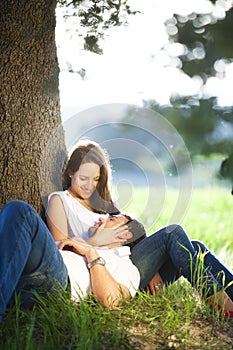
<point>56,219</point>
<point>58,226</point>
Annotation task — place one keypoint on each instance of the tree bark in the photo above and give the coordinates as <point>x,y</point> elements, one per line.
<point>32,141</point>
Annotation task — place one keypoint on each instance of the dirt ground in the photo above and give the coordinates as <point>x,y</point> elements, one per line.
<point>200,335</point>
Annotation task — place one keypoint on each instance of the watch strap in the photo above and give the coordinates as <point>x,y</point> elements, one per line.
<point>99,261</point>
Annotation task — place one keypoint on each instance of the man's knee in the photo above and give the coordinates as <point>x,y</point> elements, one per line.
<point>174,228</point>
<point>17,209</point>
<point>199,246</point>
<point>16,206</point>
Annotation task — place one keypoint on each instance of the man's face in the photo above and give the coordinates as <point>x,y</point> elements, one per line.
<point>110,222</point>
<point>115,219</point>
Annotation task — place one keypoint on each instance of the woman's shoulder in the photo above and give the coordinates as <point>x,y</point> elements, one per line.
<point>57,193</point>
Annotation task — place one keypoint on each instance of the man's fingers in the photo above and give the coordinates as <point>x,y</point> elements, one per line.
<point>150,290</point>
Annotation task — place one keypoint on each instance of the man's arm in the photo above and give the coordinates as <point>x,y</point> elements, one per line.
<point>104,287</point>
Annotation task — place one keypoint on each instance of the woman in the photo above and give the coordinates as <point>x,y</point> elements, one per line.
<point>63,225</point>
<point>160,258</point>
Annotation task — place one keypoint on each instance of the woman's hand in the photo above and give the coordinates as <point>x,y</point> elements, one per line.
<point>116,235</point>
<point>155,285</point>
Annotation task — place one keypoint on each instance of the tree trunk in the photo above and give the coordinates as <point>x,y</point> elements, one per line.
<point>32,141</point>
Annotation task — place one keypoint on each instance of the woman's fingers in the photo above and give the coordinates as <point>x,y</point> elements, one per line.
<point>118,229</point>
<point>124,233</point>
<point>119,225</point>
<point>118,233</point>
<point>121,229</point>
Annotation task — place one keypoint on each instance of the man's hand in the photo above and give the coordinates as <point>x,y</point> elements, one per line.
<point>76,245</point>
<point>155,285</point>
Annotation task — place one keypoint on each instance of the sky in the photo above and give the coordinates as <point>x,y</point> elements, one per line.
<point>138,62</point>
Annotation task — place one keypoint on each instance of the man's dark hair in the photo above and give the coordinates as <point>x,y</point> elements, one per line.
<point>137,229</point>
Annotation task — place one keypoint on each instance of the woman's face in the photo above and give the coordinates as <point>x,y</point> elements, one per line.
<point>85,180</point>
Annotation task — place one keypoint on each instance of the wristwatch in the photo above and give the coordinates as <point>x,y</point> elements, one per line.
<point>99,260</point>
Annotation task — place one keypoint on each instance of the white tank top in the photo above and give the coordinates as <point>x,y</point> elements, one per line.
<point>79,218</point>
<point>117,259</point>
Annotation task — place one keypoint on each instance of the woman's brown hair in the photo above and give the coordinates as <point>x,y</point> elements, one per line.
<point>91,152</point>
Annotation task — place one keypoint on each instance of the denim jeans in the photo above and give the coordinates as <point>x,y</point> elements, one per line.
<point>30,261</point>
<point>170,252</point>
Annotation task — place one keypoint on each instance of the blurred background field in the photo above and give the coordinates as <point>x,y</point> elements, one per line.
<point>208,216</point>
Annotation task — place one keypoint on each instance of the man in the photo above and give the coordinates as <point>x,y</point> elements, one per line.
<point>136,229</point>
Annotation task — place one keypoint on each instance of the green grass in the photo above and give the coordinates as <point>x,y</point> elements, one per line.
<point>176,318</point>
<point>206,216</point>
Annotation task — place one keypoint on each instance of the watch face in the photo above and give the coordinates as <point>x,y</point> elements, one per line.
<point>99,260</point>
<point>102,261</point>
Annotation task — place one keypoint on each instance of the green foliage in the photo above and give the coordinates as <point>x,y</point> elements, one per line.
<point>199,123</point>
<point>58,323</point>
<point>96,17</point>
<point>174,318</point>
<point>206,38</point>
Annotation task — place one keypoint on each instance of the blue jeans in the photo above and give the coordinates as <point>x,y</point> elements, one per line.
<point>30,261</point>
<point>170,252</point>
